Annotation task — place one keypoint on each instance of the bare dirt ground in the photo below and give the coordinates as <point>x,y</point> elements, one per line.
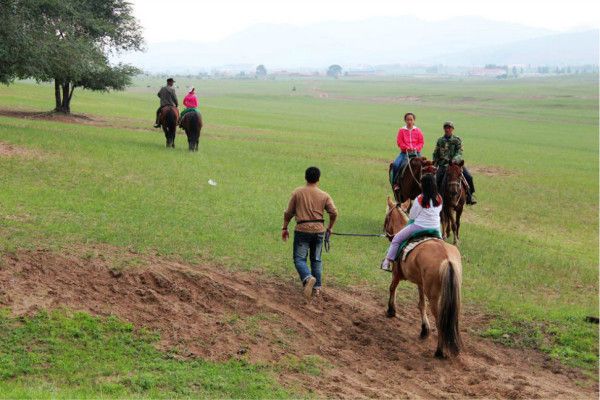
<point>9,150</point>
<point>210,312</point>
<point>51,116</point>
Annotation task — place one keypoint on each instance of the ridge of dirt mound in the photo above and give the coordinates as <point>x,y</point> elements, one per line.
<point>490,171</point>
<point>51,116</point>
<point>206,311</point>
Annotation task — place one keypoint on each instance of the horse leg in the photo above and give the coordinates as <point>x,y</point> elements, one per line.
<point>190,142</point>
<point>433,306</point>
<point>425,328</point>
<point>448,220</point>
<point>391,311</point>
<point>166,132</point>
<point>453,224</point>
<point>456,234</point>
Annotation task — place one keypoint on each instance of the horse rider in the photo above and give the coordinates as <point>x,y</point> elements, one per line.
<point>410,141</point>
<point>449,149</point>
<point>167,97</point>
<point>190,101</point>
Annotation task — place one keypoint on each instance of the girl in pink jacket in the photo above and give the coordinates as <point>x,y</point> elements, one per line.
<point>190,102</point>
<point>410,141</point>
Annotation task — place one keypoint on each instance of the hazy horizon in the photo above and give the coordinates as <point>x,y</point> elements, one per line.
<point>217,21</point>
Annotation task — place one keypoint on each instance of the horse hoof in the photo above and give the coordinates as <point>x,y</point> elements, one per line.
<point>424,331</point>
<point>391,313</point>
<point>439,354</point>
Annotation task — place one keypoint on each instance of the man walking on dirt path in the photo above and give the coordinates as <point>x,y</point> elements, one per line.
<point>308,204</point>
<point>167,97</point>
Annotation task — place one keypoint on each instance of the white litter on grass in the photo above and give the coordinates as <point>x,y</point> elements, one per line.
<point>212,183</point>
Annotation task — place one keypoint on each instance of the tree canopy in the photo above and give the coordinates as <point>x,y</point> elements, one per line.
<point>68,42</point>
<point>261,70</point>
<point>334,70</point>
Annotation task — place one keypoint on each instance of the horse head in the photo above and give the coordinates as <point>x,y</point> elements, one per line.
<point>395,218</point>
<point>427,167</point>
<point>454,182</point>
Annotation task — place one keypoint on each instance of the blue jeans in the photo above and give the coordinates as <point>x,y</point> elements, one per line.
<point>400,161</point>
<point>306,244</point>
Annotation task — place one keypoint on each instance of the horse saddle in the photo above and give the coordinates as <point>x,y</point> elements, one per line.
<point>416,239</point>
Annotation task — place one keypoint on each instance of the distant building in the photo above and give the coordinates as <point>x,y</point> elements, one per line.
<point>488,72</point>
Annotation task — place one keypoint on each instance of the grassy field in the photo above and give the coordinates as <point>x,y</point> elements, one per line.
<point>530,248</point>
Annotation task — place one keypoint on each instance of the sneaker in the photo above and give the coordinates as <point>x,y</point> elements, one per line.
<point>386,265</point>
<point>156,125</point>
<point>308,287</point>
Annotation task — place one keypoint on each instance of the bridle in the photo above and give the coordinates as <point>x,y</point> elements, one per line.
<point>457,185</point>
<point>388,215</point>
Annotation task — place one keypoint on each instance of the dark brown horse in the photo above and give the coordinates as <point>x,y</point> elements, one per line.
<point>454,197</point>
<point>409,182</point>
<point>435,267</point>
<point>168,120</point>
<point>192,124</point>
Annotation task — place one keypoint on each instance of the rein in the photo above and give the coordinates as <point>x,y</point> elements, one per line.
<point>413,174</point>
<point>327,239</point>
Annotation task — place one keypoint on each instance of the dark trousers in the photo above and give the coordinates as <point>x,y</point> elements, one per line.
<point>158,115</point>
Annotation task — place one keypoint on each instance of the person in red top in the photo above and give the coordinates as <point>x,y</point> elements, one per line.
<point>410,141</point>
<point>191,103</point>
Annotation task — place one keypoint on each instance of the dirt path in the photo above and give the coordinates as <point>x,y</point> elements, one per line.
<point>216,314</point>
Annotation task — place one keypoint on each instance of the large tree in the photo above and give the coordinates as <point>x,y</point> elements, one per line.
<point>261,70</point>
<point>334,70</point>
<point>68,42</point>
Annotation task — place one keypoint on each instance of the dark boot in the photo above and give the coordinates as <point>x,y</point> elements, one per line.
<point>471,198</point>
<point>157,121</point>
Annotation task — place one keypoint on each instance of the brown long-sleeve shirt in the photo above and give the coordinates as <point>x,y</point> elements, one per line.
<point>308,203</point>
<point>167,96</point>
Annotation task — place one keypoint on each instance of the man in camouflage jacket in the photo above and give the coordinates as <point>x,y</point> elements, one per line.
<point>449,149</point>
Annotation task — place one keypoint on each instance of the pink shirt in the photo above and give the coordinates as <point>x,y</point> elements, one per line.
<point>190,101</point>
<point>410,139</point>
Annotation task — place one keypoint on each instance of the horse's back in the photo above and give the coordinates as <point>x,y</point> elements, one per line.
<point>423,265</point>
<point>191,122</point>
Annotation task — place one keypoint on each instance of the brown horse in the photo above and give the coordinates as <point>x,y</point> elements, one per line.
<point>435,267</point>
<point>409,182</point>
<point>168,120</point>
<point>454,196</point>
<point>192,124</point>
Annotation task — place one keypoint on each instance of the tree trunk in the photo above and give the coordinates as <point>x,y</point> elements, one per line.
<point>57,98</point>
<point>63,100</point>
<point>66,99</point>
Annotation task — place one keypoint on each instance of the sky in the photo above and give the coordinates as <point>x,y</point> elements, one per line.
<point>207,21</point>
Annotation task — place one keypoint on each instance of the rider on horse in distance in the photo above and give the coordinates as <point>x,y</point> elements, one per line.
<point>448,149</point>
<point>167,97</point>
<point>410,141</point>
<point>190,101</point>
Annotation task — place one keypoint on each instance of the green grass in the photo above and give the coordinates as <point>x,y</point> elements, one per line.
<point>57,355</point>
<point>530,248</point>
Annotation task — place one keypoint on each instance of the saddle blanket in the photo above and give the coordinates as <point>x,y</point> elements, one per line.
<point>411,246</point>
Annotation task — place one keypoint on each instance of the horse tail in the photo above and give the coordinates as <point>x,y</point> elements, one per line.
<point>193,124</point>
<point>171,120</point>
<point>449,308</point>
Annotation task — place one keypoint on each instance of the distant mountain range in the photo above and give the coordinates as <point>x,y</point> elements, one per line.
<point>461,41</point>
